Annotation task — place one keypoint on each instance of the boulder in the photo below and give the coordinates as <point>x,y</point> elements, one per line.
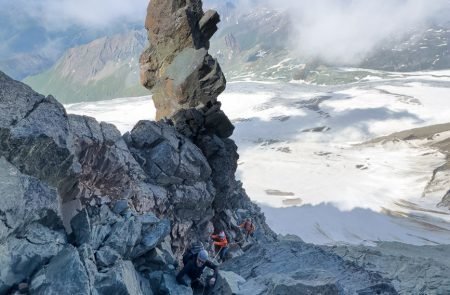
<point>228,283</point>
<point>108,170</point>
<point>192,202</point>
<point>88,162</point>
<point>165,155</point>
<point>122,279</point>
<point>106,257</point>
<point>294,267</point>
<point>208,23</point>
<point>121,207</point>
<point>115,236</point>
<point>31,230</point>
<point>92,231</point>
<point>81,227</point>
<point>155,259</point>
<point>151,237</point>
<point>23,255</point>
<point>170,286</point>
<point>25,200</point>
<point>33,135</point>
<point>123,237</point>
<point>65,274</point>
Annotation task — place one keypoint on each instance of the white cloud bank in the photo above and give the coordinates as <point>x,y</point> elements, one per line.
<point>345,31</point>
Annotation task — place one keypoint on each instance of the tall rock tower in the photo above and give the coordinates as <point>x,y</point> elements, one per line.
<point>177,67</point>
<point>186,82</point>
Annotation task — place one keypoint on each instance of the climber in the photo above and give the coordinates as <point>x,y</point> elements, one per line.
<point>194,269</point>
<point>221,245</point>
<point>249,227</point>
<point>192,252</point>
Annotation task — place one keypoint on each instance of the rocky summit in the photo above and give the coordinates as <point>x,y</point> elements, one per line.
<point>87,210</point>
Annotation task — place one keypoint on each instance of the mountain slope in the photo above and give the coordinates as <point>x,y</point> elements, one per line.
<point>105,68</point>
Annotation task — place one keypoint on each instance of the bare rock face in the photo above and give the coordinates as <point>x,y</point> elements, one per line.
<point>186,82</point>
<point>177,66</point>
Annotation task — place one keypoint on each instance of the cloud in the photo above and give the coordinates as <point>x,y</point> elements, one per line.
<point>58,15</point>
<point>346,31</point>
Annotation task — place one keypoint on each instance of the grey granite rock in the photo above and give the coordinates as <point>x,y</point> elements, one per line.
<point>33,135</point>
<point>166,155</point>
<point>293,267</point>
<point>124,235</point>
<point>106,257</point>
<point>31,230</point>
<point>122,279</point>
<point>23,255</point>
<point>65,274</point>
<point>87,257</point>
<point>413,269</point>
<point>228,283</point>
<point>151,237</point>
<point>169,286</point>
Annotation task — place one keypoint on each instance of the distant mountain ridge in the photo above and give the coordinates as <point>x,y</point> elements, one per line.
<point>104,68</point>
<point>30,45</point>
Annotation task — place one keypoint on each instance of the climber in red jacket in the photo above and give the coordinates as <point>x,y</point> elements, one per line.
<point>221,244</point>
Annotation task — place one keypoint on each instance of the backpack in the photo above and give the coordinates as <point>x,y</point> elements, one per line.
<point>192,252</point>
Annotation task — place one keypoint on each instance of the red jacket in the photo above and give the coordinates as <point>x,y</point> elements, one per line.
<point>219,242</point>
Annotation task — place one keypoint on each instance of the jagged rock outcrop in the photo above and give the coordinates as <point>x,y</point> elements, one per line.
<point>291,266</point>
<point>31,230</point>
<point>63,274</point>
<point>413,269</point>
<point>186,82</point>
<point>35,248</point>
<point>177,66</point>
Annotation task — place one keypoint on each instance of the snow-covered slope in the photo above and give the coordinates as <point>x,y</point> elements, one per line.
<point>303,161</point>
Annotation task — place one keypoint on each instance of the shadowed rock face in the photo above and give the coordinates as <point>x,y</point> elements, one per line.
<point>177,66</point>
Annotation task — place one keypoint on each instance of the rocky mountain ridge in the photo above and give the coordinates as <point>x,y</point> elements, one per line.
<point>73,162</point>
<point>87,210</point>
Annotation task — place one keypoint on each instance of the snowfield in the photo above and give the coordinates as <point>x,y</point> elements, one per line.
<point>305,160</point>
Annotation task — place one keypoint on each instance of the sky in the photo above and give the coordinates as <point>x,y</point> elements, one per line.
<point>60,14</point>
